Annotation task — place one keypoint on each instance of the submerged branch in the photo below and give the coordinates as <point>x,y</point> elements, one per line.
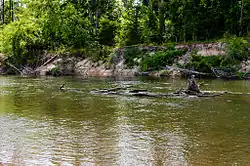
<point>145,93</point>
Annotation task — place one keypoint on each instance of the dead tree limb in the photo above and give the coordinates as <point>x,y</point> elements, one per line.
<point>145,93</point>
<point>47,62</point>
<point>14,67</point>
<point>187,71</point>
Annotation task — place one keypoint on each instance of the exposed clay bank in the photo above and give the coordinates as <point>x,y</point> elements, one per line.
<point>69,65</point>
<point>73,64</point>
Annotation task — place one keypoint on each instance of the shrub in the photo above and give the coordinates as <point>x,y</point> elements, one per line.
<point>160,59</point>
<point>55,71</point>
<point>96,52</point>
<point>236,50</point>
<point>21,40</point>
<point>107,31</point>
<point>204,63</point>
<point>130,56</point>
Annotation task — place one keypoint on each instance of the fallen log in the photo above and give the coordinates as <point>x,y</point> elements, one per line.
<point>145,93</point>
<point>227,74</point>
<point>14,67</point>
<point>47,62</point>
<point>187,71</point>
<point>110,90</point>
<point>198,94</point>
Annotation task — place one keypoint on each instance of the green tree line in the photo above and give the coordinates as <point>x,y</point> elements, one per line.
<point>29,26</point>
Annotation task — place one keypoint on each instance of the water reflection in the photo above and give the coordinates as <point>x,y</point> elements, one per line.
<point>41,125</point>
<point>145,137</point>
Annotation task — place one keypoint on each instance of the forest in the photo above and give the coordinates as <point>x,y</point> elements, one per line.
<point>29,27</point>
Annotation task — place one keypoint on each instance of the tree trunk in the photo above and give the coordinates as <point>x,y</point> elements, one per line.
<point>10,10</point>
<point>3,11</point>
<point>93,3</point>
<point>146,2</point>
<point>162,19</point>
<point>125,3</point>
<point>241,17</point>
<point>184,34</point>
<point>97,20</point>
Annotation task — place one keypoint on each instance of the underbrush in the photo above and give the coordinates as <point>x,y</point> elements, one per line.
<point>204,63</point>
<point>236,51</point>
<point>158,60</point>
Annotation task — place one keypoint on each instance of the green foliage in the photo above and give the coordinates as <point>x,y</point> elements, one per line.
<point>131,56</point>
<point>75,30</point>
<point>159,60</point>
<point>21,41</point>
<point>129,32</point>
<point>97,52</point>
<point>204,63</point>
<point>32,26</point>
<point>55,71</point>
<point>243,75</point>
<point>107,31</point>
<point>150,26</point>
<point>236,50</point>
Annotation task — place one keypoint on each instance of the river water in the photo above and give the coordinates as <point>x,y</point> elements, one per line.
<point>41,125</point>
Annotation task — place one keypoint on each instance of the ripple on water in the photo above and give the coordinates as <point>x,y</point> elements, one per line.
<point>41,125</point>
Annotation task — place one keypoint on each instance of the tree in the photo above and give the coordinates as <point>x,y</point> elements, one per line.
<point>129,32</point>
<point>85,24</point>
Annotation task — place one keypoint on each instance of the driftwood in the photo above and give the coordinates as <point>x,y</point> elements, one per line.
<point>227,74</point>
<point>62,86</point>
<point>47,62</point>
<point>145,93</point>
<point>187,71</point>
<point>26,70</point>
<point>199,94</point>
<point>14,67</point>
<point>105,91</point>
<point>126,91</point>
<point>3,59</point>
<point>192,85</point>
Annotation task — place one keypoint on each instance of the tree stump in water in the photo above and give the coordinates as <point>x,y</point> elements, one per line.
<point>192,85</point>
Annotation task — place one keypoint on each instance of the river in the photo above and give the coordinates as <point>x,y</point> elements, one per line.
<point>41,125</point>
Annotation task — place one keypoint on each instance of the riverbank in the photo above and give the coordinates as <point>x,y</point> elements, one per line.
<point>131,61</point>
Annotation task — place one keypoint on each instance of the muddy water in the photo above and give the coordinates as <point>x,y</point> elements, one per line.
<point>41,125</point>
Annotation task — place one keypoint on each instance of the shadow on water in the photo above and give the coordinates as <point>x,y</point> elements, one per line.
<point>42,125</point>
